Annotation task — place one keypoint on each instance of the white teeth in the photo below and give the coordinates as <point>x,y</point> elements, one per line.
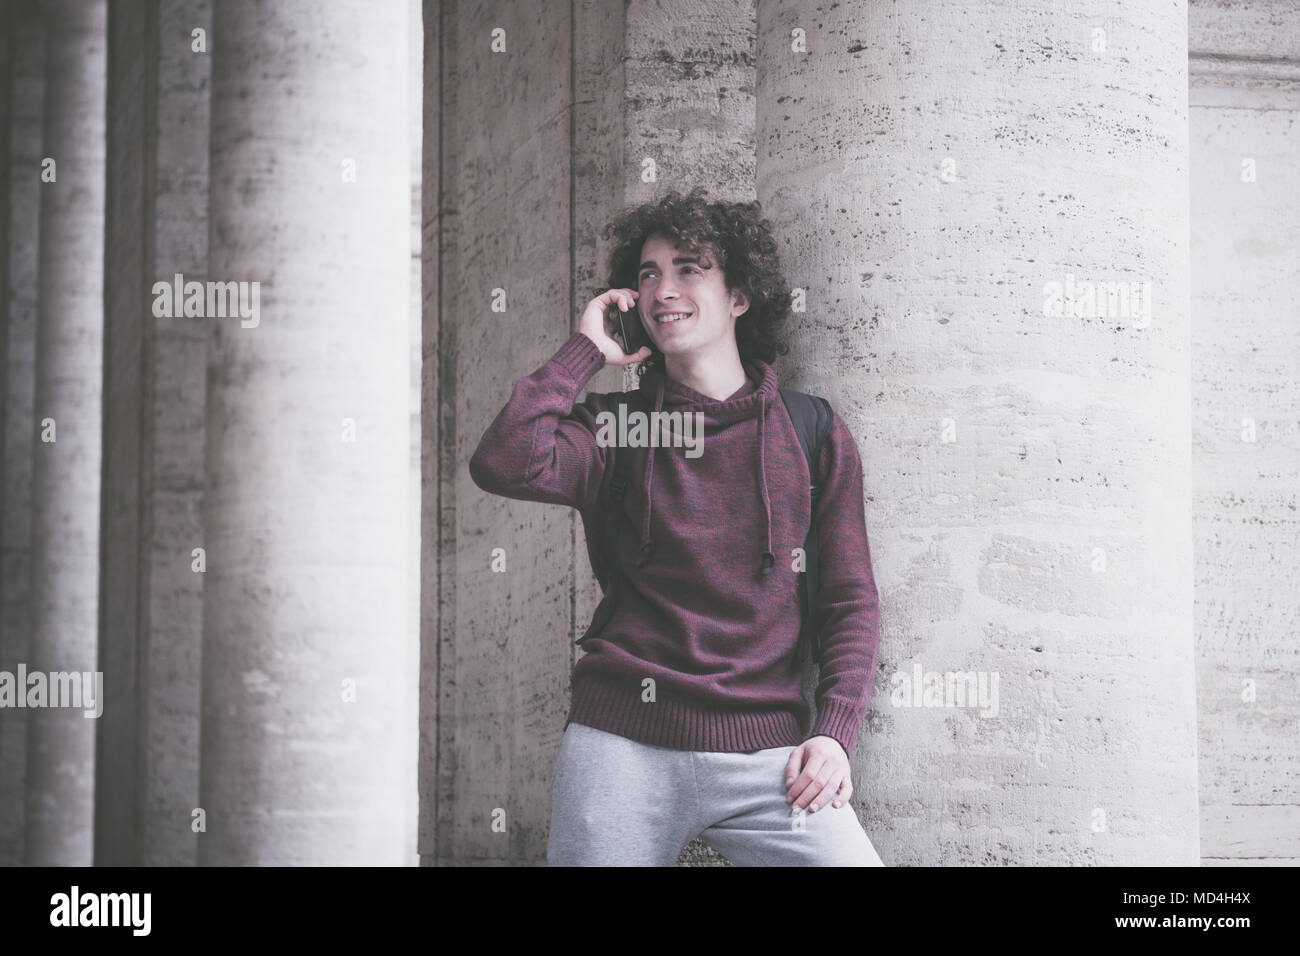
<point>665,319</point>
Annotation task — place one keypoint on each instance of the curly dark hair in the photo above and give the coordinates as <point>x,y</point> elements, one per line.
<point>746,251</point>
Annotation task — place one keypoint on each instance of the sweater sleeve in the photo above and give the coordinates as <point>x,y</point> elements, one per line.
<point>539,448</point>
<point>847,606</point>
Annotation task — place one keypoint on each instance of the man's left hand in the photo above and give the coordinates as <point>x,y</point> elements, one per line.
<point>816,772</point>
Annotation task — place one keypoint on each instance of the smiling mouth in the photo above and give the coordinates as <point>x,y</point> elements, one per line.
<point>671,317</point>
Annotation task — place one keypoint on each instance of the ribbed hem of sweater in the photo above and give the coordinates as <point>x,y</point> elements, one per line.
<point>580,357</point>
<point>841,720</point>
<point>677,724</point>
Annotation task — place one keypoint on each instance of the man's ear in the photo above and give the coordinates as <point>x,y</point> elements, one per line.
<point>739,298</point>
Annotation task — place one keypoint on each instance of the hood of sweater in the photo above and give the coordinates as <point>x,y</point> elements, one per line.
<point>754,399</point>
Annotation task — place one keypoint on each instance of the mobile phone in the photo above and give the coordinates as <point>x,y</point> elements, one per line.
<point>630,330</point>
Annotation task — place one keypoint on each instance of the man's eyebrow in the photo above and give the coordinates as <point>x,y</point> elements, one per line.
<point>677,261</point>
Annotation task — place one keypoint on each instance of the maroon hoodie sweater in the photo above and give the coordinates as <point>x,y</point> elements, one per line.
<point>696,613</point>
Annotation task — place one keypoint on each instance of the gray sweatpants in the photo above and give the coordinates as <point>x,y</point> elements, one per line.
<point>618,802</point>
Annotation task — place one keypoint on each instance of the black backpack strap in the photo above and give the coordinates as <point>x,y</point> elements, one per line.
<point>614,512</point>
<point>813,420</point>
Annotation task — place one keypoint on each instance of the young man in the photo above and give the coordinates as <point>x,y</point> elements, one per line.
<point>687,711</point>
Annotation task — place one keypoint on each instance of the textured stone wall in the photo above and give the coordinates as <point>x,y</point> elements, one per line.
<point>1245,251</point>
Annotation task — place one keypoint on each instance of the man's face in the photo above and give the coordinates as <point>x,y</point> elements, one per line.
<point>674,281</point>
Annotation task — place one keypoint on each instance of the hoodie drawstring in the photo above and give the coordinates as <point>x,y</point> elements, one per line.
<point>767,559</point>
<point>647,545</point>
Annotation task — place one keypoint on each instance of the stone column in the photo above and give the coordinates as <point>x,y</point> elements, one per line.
<point>1245,132</point>
<point>411,676</point>
<point>7,17</point>
<point>24,45</point>
<point>65,474</point>
<point>147,760</point>
<point>305,504</point>
<point>935,178</point>
<point>436,585</point>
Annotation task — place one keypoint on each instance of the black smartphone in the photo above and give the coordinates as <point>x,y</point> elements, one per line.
<point>630,330</point>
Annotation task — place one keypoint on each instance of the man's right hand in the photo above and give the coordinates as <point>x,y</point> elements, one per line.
<point>596,325</point>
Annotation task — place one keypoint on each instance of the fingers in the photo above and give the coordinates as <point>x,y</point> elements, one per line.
<point>638,356</point>
<point>622,359</point>
<point>622,299</point>
<point>794,781</point>
<point>792,768</point>
<point>823,797</point>
<point>810,783</point>
<point>822,780</point>
<point>626,298</point>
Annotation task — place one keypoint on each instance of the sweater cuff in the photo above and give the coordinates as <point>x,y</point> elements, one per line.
<point>839,720</point>
<point>580,357</point>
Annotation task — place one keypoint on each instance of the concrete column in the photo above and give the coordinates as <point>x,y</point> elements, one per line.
<point>7,16</point>
<point>410,720</point>
<point>10,822</point>
<point>305,505</point>
<point>1245,137</point>
<point>1028,473</point>
<point>147,762</point>
<point>492,712</point>
<point>24,46</point>
<point>65,474</point>
<point>437,585</point>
